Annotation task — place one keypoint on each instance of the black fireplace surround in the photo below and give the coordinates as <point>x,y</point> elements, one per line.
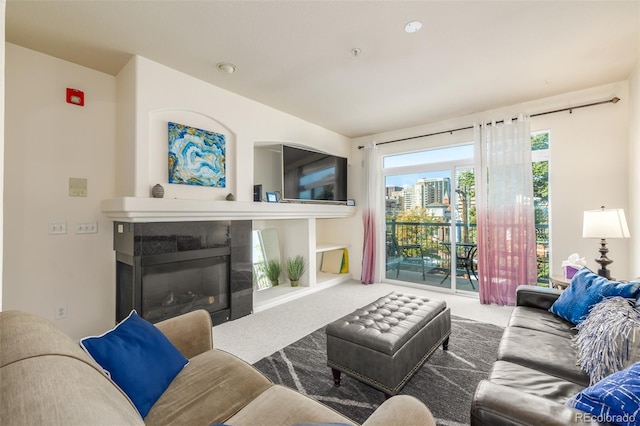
<point>164,269</point>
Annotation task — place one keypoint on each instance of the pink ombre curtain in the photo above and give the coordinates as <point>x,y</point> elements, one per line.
<point>505,211</point>
<point>369,214</point>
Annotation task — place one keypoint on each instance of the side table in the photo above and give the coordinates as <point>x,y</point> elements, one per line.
<point>559,282</point>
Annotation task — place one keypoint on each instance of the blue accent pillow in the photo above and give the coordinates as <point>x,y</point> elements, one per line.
<point>614,399</point>
<point>586,289</point>
<point>138,358</point>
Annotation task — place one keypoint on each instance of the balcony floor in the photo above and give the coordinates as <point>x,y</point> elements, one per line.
<point>433,279</point>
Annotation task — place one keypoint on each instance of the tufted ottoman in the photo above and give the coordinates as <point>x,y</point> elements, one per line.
<point>383,344</point>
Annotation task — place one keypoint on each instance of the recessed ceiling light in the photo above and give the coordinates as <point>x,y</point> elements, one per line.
<point>226,67</point>
<point>413,26</point>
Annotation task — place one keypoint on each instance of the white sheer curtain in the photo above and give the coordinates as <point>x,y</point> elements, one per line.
<point>371,176</point>
<point>505,211</point>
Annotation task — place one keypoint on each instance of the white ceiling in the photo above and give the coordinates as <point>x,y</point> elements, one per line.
<point>296,56</point>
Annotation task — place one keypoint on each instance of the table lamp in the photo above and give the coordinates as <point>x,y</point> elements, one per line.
<point>603,224</point>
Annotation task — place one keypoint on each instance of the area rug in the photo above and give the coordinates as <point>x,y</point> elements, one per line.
<point>445,383</point>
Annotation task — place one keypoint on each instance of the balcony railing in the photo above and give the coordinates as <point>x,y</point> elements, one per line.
<point>424,241</point>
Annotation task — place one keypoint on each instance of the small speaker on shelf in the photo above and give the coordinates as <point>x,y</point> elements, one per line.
<point>257,192</point>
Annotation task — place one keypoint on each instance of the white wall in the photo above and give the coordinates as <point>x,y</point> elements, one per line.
<point>117,141</point>
<point>163,94</point>
<point>588,167</point>
<point>267,168</point>
<point>633,215</point>
<point>47,142</point>
<point>3,5</point>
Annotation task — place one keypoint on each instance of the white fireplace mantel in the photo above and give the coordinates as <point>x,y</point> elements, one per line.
<point>138,209</point>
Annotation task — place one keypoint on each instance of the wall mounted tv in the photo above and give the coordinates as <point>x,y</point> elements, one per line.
<point>313,176</point>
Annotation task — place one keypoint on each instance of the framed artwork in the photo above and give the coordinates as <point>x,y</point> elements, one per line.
<point>272,197</point>
<point>196,156</point>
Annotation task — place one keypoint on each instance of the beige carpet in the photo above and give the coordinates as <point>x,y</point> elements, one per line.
<point>258,335</point>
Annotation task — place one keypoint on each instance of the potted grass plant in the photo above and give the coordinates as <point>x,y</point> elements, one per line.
<point>272,271</point>
<point>295,268</point>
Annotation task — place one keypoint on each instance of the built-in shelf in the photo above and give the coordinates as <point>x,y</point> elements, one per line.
<point>296,220</point>
<point>328,247</point>
<point>139,209</point>
<point>326,277</point>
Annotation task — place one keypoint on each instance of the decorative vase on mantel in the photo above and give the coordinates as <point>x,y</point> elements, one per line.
<point>157,191</point>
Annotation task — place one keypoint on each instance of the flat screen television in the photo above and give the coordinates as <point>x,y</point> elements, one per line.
<point>313,176</point>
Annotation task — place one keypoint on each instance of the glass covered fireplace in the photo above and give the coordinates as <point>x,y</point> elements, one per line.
<point>171,286</point>
<point>167,269</point>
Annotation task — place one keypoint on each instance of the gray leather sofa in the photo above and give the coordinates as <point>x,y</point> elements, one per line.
<point>535,372</point>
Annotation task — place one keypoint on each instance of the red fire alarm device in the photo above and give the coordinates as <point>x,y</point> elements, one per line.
<point>75,96</point>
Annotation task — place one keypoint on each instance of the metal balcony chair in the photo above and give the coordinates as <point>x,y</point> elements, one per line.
<point>401,255</point>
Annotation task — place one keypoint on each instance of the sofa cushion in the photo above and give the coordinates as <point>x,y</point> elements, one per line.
<point>614,399</point>
<point>545,352</point>
<point>212,388</point>
<point>401,410</point>
<point>533,382</point>
<point>606,338</point>
<point>267,409</point>
<point>46,378</point>
<point>61,390</point>
<point>538,319</point>
<point>21,337</point>
<point>586,289</point>
<point>138,357</point>
<point>499,405</point>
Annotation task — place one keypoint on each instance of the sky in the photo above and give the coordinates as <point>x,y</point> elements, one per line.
<point>430,157</point>
<point>411,179</point>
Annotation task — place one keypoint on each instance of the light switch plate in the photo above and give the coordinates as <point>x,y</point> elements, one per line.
<point>87,228</point>
<point>56,228</point>
<point>77,187</point>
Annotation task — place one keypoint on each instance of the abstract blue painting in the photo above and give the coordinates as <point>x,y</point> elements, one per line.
<point>196,156</point>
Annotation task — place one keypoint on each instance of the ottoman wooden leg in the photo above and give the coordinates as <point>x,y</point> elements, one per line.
<point>336,377</point>
<point>445,344</point>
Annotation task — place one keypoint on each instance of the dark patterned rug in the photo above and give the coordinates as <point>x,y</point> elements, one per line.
<point>445,383</point>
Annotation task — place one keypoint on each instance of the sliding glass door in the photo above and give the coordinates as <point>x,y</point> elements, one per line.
<point>462,244</point>
<point>430,227</point>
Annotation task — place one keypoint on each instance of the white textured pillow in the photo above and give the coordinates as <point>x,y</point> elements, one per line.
<point>608,339</point>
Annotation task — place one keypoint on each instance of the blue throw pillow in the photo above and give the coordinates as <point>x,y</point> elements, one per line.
<point>586,289</point>
<point>138,358</point>
<point>614,399</point>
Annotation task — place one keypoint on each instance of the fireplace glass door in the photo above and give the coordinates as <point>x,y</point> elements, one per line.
<point>173,288</point>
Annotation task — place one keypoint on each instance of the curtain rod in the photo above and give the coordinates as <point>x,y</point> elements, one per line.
<point>613,100</point>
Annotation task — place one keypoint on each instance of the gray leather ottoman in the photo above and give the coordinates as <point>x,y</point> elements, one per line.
<point>383,344</point>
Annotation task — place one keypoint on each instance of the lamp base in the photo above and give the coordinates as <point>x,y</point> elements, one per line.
<point>603,260</point>
<point>606,274</point>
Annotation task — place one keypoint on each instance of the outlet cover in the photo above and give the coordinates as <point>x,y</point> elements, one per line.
<point>61,312</point>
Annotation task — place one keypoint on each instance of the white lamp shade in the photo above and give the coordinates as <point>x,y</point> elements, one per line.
<point>605,223</point>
